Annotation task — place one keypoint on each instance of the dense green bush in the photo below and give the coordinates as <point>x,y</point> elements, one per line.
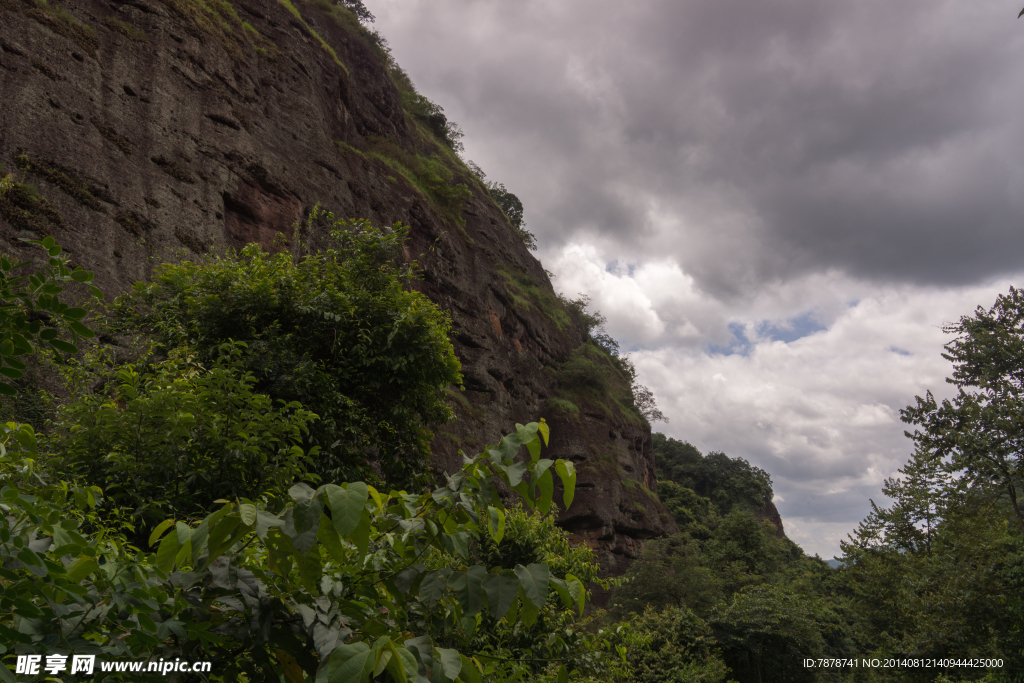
<point>168,439</point>
<point>673,645</point>
<point>336,330</point>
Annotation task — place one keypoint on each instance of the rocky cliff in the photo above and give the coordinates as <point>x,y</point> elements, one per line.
<point>150,130</point>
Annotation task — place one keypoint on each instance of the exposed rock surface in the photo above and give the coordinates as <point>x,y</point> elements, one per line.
<point>152,136</point>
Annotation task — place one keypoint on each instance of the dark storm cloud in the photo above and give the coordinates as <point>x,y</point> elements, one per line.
<point>875,137</point>
<point>776,203</point>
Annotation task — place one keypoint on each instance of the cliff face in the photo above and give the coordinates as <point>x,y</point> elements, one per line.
<point>162,129</point>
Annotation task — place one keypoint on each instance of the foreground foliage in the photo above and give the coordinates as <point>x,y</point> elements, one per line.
<point>283,581</point>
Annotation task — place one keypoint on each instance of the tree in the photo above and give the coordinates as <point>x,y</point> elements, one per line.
<point>337,330</point>
<point>977,437</point>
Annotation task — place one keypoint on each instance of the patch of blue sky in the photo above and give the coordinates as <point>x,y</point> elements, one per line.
<point>739,344</point>
<point>799,327</point>
<point>618,268</point>
<point>898,350</point>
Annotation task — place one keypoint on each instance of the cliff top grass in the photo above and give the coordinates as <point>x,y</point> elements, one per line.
<point>528,295</point>
<point>595,379</point>
<point>220,19</point>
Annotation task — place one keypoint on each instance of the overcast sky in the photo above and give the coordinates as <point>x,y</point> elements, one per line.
<point>776,203</point>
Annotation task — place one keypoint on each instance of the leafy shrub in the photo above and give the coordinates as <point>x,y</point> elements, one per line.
<point>169,439</point>
<point>673,645</point>
<point>336,330</point>
<point>433,117</point>
<point>582,373</point>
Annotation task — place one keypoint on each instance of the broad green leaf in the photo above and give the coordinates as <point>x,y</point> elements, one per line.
<point>402,666</point>
<point>528,612</point>
<point>361,534</point>
<point>306,515</point>
<point>515,473</point>
<point>160,528</point>
<point>184,553</point>
<point>496,523</point>
<point>247,513</point>
<point>566,470</point>
<point>545,432</point>
<point>291,667</point>
<point>468,589</point>
<point>7,390</point>
<point>501,590</point>
<point>166,552</point>
<point>563,674</point>
<point>382,657</point>
<point>347,506</point>
<point>546,484</point>
<point>264,521</point>
<point>81,330</point>
<point>6,676</point>
<point>469,673</point>
<point>432,588</point>
<point>534,580</point>
<point>376,497</point>
<point>451,662</point>
<point>563,591</point>
<point>63,346</point>
<point>225,534</point>
<point>508,447</point>
<point>328,535</point>
<point>82,567</point>
<point>460,543</point>
<point>347,664</point>
<point>301,492</point>
<point>199,535</point>
<point>523,489</point>
<point>578,591</point>
<point>11,373</point>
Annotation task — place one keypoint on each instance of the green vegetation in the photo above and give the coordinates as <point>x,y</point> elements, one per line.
<point>323,43</point>
<point>338,330</point>
<point>165,512</point>
<point>527,294</point>
<point>25,210</point>
<point>509,204</point>
<point>596,375</point>
<point>64,178</point>
<point>429,174</point>
<point>940,571</point>
<point>219,19</point>
<point>745,604</point>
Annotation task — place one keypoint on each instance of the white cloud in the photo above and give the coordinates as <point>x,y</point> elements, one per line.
<point>821,412</point>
